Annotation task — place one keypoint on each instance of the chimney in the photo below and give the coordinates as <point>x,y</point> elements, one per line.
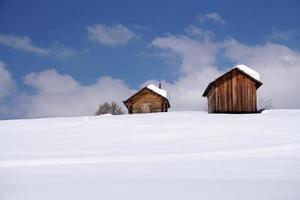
<point>159,85</point>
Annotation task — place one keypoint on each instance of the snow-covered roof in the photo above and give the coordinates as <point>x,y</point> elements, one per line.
<point>248,71</point>
<point>158,90</point>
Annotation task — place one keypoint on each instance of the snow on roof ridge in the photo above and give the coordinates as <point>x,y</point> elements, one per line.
<point>158,90</point>
<point>254,74</point>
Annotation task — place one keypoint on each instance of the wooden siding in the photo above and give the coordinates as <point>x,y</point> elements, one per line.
<point>145,98</point>
<point>234,92</point>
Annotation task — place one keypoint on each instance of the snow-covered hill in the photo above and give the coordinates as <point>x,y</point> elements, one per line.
<point>176,155</point>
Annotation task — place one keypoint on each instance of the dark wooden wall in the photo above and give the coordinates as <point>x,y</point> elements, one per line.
<point>144,98</point>
<point>234,92</point>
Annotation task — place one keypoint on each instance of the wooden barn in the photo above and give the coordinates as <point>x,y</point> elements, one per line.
<point>234,91</point>
<point>147,100</point>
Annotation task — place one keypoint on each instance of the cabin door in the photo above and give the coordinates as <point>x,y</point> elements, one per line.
<point>146,108</point>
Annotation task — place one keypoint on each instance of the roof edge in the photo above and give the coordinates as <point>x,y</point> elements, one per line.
<point>209,86</point>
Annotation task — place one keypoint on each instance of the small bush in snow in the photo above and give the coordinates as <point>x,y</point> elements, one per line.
<point>264,105</point>
<point>109,108</point>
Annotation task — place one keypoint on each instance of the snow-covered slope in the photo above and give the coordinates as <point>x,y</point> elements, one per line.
<point>179,155</point>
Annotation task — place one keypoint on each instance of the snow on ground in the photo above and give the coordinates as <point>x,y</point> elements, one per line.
<point>175,155</point>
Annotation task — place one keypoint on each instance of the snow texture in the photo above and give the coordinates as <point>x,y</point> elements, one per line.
<point>158,90</point>
<point>162,156</point>
<point>249,71</point>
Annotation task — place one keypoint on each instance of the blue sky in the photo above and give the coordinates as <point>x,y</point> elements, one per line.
<point>60,37</point>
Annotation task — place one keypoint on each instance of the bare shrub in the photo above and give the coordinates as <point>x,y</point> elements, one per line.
<point>264,105</point>
<point>109,108</point>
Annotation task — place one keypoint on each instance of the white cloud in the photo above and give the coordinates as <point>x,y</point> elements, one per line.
<point>110,35</point>
<point>279,67</point>
<point>194,54</point>
<point>195,31</point>
<point>24,43</point>
<point>215,17</point>
<point>62,52</point>
<point>197,69</point>
<point>61,95</point>
<point>281,36</point>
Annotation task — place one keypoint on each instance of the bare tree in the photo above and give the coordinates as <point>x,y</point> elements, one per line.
<point>264,105</point>
<point>109,108</point>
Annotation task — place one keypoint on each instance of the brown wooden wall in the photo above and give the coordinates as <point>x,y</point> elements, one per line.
<point>146,97</point>
<point>234,92</point>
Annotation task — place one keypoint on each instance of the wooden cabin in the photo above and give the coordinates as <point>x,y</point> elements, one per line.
<point>234,91</point>
<point>147,100</point>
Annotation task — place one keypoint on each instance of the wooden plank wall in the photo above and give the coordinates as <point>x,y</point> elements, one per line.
<point>234,92</point>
